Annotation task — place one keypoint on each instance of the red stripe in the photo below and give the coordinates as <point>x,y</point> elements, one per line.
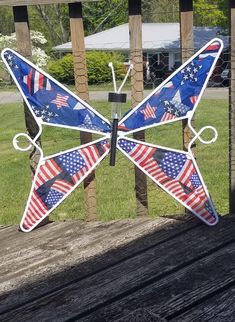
<point>90,155</point>
<point>29,78</point>
<point>30,219</point>
<point>167,116</point>
<point>62,186</point>
<point>41,78</point>
<point>193,99</point>
<point>106,146</point>
<point>27,224</point>
<point>79,175</point>
<point>36,200</point>
<point>186,172</point>
<point>141,154</point>
<point>51,167</point>
<point>52,170</point>
<point>148,112</point>
<point>213,47</point>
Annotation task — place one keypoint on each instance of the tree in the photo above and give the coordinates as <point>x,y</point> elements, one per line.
<point>208,13</point>
<point>52,21</point>
<point>160,10</point>
<point>101,15</point>
<point>6,21</point>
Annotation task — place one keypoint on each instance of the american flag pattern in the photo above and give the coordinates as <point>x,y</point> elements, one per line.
<point>42,92</point>
<point>176,173</point>
<point>148,112</point>
<point>36,81</point>
<point>61,101</point>
<point>57,177</point>
<point>178,96</point>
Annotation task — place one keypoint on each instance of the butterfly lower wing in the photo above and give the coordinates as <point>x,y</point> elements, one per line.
<point>175,172</point>
<point>178,95</point>
<point>49,101</point>
<point>57,176</point>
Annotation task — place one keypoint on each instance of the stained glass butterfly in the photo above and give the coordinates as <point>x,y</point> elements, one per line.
<point>174,171</point>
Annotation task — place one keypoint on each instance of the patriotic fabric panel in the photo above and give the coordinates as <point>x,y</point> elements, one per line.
<point>49,102</point>
<point>56,178</point>
<point>176,173</point>
<point>178,95</point>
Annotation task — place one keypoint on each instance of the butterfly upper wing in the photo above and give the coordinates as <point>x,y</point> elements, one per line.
<point>48,100</point>
<point>178,95</point>
<point>57,176</point>
<point>175,172</point>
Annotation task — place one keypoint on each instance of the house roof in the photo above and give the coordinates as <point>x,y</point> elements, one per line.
<point>156,37</point>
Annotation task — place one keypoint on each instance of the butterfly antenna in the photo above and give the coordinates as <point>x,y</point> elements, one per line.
<point>125,78</point>
<point>113,75</point>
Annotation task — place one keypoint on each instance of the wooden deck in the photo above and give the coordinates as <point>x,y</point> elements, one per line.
<point>170,269</point>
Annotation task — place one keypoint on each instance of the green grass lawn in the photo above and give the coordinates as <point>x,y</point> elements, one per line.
<point>115,185</point>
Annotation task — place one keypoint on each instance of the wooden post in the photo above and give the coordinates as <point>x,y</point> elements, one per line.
<point>137,89</point>
<point>187,50</point>
<point>24,47</point>
<point>232,111</point>
<point>81,83</point>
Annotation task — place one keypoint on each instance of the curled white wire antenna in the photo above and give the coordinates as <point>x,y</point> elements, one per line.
<point>114,77</point>
<point>31,142</point>
<point>198,134</point>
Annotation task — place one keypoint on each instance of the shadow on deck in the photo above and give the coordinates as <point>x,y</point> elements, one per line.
<point>169,269</point>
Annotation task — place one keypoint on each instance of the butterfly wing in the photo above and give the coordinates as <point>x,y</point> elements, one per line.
<point>176,172</point>
<point>49,101</point>
<point>178,96</point>
<point>57,176</point>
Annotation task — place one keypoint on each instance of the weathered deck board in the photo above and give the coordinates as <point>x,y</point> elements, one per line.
<point>219,307</point>
<point>64,252</point>
<point>172,293</point>
<point>102,272</point>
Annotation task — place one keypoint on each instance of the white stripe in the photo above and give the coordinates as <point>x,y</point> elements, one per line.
<point>36,81</point>
<point>202,56</point>
<point>48,85</point>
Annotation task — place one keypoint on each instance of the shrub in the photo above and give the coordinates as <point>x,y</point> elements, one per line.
<point>62,69</point>
<point>97,67</point>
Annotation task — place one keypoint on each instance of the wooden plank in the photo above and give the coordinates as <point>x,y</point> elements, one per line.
<point>81,84</point>
<point>232,111</point>
<point>137,94</point>
<point>176,292</point>
<point>23,42</point>
<point>175,269</point>
<point>35,2</point>
<point>217,308</point>
<point>187,50</point>
<point>65,252</point>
